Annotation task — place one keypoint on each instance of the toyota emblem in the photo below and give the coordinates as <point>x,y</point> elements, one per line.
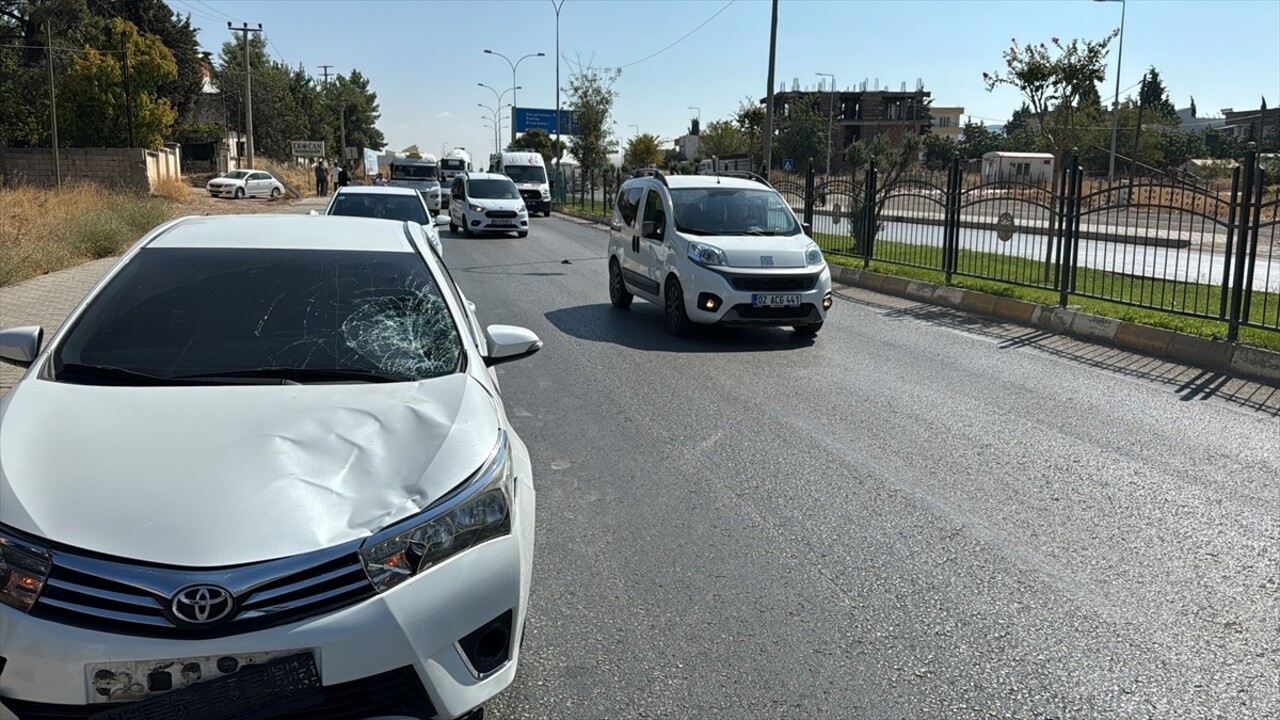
<point>202,604</point>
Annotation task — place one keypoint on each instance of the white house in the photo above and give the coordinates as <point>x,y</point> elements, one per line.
<point>1017,167</point>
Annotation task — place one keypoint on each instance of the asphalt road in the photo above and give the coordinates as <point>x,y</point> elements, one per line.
<point>919,515</point>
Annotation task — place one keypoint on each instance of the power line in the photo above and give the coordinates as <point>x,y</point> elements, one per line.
<point>61,49</point>
<point>219,12</point>
<point>277,50</point>
<point>682,37</point>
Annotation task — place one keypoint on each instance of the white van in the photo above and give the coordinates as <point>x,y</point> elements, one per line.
<point>529,172</point>
<point>422,173</point>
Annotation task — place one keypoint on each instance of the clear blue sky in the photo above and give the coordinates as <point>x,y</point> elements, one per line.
<point>424,58</point>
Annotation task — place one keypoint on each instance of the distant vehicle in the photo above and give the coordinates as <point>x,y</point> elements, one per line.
<point>1017,167</point>
<point>388,203</point>
<point>487,203</point>
<point>245,183</point>
<point>728,163</point>
<point>715,250</point>
<point>529,172</point>
<point>456,161</point>
<point>420,172</point>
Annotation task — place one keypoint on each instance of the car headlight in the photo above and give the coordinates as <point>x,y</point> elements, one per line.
<point>813,255</point>
<point>477,208</point>
<point>476,511</point>
<point>704,254</point>
<point>546,194</point>
<point>521,208</point>
<point>23,572</point>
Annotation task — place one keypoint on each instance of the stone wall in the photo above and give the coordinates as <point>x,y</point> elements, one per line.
<point>133,168</point>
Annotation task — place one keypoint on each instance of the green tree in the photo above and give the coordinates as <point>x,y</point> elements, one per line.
<point>1222,145</point>
<point>1154,97</point>
<point>351,95</point>
<point>93,111</point>
<point>750,120</point>
<point>802,133</point>
<point>642,151</point>
<point>1178,147</point>
<point>156,18</point>
<point>536,140</point>
<point>977,140</point>
<point>939,151</point>
<point>720,138</point>
<point>591,96</point>
<point>1060,85</point>
<point>894,156</point>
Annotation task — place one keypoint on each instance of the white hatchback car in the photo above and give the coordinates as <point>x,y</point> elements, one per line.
<point>715,249</point>
<point>245,183</point>
<point>487,203</point>
<point>263,470</point>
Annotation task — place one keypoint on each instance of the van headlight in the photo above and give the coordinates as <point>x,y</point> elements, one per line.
<point>704,254</point>
<point>521,208</point>
<point>476,208</point>
<point>476,511</point>
<point>813,255</point>
<point>24,569</point>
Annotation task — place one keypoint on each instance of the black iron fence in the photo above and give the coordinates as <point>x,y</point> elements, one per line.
<point>1159,243</point>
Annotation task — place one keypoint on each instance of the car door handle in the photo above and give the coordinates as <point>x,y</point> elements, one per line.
<point>635,243</point>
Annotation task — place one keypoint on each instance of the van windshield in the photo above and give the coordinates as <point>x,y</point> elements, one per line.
<point>732,211</point>
<point>413,172</point>
<point>526,173</point>
<point>485,189</point>
<point>451,164</point>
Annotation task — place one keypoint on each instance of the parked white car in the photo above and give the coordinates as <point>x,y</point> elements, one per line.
<point>487,203</point>
<point>715,249</point>
<point>388,203</point>
<point>263,470</point>
<point>245,183</point>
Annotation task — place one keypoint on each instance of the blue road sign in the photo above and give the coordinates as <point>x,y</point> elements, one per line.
<point>788,164</point>
<point>532,118</point>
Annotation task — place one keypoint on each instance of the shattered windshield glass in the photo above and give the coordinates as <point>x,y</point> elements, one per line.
<point>175,314</point>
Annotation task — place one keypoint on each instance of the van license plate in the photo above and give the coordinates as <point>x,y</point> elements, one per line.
<point>775,300</point>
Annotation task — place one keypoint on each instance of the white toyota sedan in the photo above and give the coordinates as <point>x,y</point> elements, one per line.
<point>240,184</point>
<point>263,470</point>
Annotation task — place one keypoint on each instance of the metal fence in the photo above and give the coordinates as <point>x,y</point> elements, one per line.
<point>1154,243</point>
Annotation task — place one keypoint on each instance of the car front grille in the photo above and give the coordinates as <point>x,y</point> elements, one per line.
<point>748,312</point>
<point>774,283</point>
<point>398,692</point>
<point>135,599</point>
<point>500,214</point>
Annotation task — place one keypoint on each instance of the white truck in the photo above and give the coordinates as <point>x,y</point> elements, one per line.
<point>420,172</point>
<point>728,163</point>
<point>528,171</point>
<point>454,163</point>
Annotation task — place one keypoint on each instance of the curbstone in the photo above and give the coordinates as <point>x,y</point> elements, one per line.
<point>1092,327</point>
<point>894,285</point>
<point>1255,362</point>
<point>921,291</point>
<point>948,296</point>
<point>976,302</point>
<point>1200,351</point>
<point>1144,338</point>
<point>1018,311</point>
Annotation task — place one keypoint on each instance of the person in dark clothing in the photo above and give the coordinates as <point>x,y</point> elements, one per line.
<point>343,178</point>
<point>322,179</point>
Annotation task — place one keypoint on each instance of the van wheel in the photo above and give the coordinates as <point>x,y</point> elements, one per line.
<point>466,230</point>
<point>678,322</point>
<point>619,296</point>
<point>546,213</point>
<point>522,234</point>
<point>808,330</point>
<point>453,226</point>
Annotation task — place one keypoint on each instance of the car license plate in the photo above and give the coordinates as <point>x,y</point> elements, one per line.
<point>281,685</point>
<point>775,300</point>
<point>111,682</point>
<point>503,223</point>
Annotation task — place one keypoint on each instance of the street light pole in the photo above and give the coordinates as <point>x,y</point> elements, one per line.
<point>768,98</point>
<point>514,87</point>
<point>1115,103</point>
<point>557,6</point>
<point>831,114</point>
<point>498,96</point>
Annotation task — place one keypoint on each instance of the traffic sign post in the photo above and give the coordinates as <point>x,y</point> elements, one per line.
<point>536,119</point>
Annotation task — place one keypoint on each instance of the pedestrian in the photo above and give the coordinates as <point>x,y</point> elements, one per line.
<point>322,179</point>
<point>343,177</point>
<point>379,180</point>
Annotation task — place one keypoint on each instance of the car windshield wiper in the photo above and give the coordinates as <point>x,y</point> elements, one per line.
<point>757,231</point>
<point>696,231</point>
<point>112,375</point>
<point>304,375</point>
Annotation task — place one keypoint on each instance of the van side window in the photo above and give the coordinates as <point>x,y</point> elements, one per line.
<point>457,188</point>
<point>655,213</point>
<point>629,204</point>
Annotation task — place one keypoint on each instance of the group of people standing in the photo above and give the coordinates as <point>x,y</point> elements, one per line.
<point>336,175</point>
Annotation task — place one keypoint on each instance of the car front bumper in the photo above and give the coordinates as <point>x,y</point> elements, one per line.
<point>736,307</point>
<point>481,224</point>
<point>223,191</point>
<point>412,629</point>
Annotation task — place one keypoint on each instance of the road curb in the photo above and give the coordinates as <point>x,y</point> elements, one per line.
<point>1218,355</point>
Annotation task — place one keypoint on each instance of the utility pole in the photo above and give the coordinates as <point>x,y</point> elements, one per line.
<point>324,70</point>
<point>342,131</point>
<point>1137,132</point>
<point>248,88</point>
<point>831,114</point>
<point>1115,103</point>
<point>128,87</point>
<point>53,104</point>
<point>768,98</point>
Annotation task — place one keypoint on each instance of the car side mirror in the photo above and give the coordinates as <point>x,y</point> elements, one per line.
<point>651,230</point>
<point>808,229</point>
<point>20,345</point>
<point>442,220</point>
<point>508,343</point>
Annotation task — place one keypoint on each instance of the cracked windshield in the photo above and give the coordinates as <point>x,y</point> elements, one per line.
<point>625,359</point>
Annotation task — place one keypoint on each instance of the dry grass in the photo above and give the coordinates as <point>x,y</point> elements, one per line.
<point>43,230</point>
<point>172,188</point>
<point>301,177</point>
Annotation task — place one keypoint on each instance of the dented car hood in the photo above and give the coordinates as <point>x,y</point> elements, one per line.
<point>222,475</point>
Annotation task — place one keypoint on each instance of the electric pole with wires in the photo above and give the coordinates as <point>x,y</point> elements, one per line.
<point>248,89</point>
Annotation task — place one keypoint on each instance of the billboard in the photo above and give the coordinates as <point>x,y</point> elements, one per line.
<point>532,118</point>
<point>308,148</point>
